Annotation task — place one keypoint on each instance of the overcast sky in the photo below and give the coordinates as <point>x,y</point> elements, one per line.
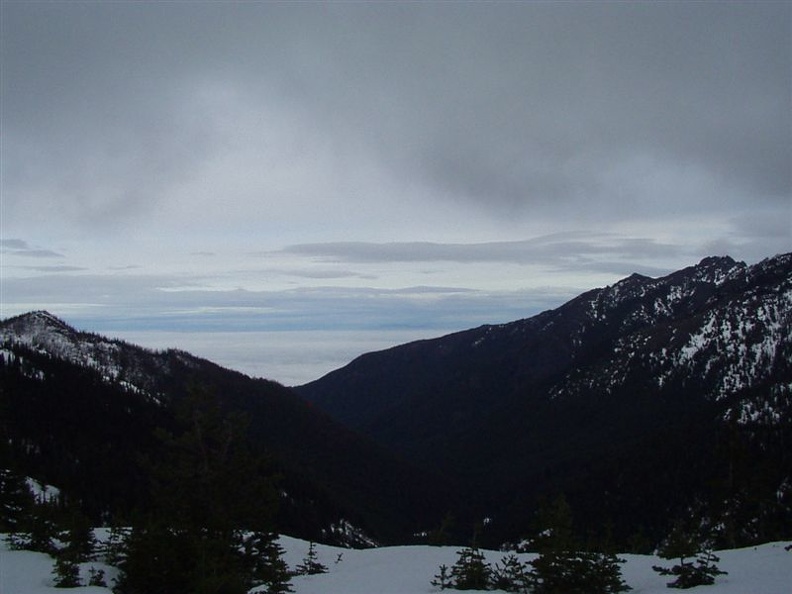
<point>373,167</point>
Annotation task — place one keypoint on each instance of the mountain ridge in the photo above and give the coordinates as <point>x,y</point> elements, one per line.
<point>641,401</point>
<point>653,302</point>
<point>49,371</point>
<point>538,404</point>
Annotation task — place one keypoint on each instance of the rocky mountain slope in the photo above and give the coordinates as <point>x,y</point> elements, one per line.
<point>79,410</point>
<point>660,391</point>
<point>642,402</point>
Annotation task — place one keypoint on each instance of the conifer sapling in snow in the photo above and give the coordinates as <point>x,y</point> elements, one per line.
<point>443,579</point>
<point>96,577</point>
<point>66,572</point>
<point>471,571</point>
<point>511,575</point>
<point>696,565</point>
<point>561,567</point>
<point>310,564</point>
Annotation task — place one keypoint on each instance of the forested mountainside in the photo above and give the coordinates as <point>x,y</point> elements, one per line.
<point>641,401</point>
<point>83,412</point>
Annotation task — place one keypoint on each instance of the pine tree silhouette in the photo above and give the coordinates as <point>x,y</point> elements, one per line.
<point>696,565</point>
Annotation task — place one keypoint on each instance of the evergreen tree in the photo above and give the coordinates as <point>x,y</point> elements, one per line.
<point>66,572</point>
<point>471,571</point>
<point>442,580</point>
<point>601,572</point>
<point>511,575</point>
<point>38,530</point>
<point>561,568</point>
<point>156,559</point>
<point>16,501</point>
<point>440,536</point>
<point>113,550</point>
<point>696,565</point>
<point>77,544</point>
<point>266,558</point>
<point>310,565</point>
<point>554,526</point>
<point>213,504</point>
<point>78,538</point>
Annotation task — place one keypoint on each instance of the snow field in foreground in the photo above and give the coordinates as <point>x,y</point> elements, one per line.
<point>765,569</point>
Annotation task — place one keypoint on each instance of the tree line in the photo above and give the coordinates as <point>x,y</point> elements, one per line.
<point>208,527</point>
<point>563,565</point>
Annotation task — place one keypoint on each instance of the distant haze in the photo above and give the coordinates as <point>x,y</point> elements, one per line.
<point>291,358</point>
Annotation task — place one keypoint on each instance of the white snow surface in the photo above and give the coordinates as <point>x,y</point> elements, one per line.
<point>24,572</point>
<point>764,569</point>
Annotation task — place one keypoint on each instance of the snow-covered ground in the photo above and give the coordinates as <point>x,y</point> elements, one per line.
<point>765,569</point>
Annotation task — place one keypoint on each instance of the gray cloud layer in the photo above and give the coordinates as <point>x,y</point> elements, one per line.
<point>19,247</point>
<point>590,110</point>
<point>560,250</point>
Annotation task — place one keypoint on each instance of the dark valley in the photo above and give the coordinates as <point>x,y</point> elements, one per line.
<point>81,412</point>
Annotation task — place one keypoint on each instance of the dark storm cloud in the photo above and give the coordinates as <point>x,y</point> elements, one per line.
<point>513,105</point>
<point>93,116</point>
<point>516,107</point>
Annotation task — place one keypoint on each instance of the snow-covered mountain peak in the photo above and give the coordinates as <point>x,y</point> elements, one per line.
<point>631,283</point>
<point>37,323</point>
<point>721,322</point>
<point>44,333</point>
<point>655,298</point>
<point>714,269</point>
